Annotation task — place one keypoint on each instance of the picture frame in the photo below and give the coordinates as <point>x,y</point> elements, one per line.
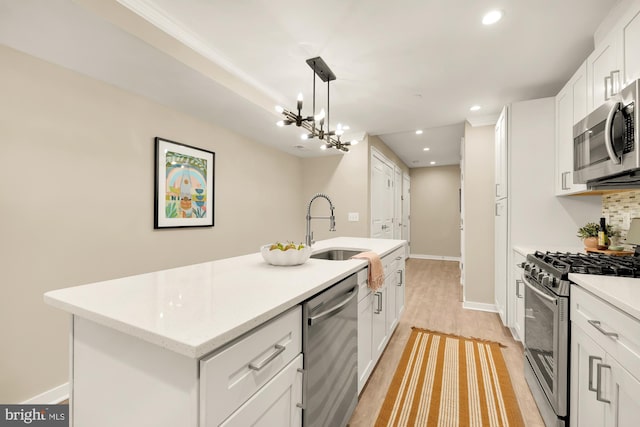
<point>184,185</point>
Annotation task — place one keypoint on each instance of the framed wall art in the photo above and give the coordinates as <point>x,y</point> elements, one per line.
<point>184,185</point>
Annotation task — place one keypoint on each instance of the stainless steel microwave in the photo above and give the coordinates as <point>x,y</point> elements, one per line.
<point>605,143</point>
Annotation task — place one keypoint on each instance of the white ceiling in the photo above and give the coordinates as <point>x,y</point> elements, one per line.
<point>400,66</point>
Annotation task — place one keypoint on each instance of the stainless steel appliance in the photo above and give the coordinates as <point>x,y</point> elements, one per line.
<point>605,143</point>
<point>330,347</point>
<point>546,338</point>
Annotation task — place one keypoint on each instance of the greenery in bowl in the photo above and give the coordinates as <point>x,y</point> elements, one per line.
<point>591,229</point>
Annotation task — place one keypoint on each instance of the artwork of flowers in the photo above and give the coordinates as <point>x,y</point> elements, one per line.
<point>184,185</point>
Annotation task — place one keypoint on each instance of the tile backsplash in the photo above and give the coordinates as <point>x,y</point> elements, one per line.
<point>619,208</point>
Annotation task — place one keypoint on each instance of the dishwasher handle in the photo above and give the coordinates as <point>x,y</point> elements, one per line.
<point>336,308</point>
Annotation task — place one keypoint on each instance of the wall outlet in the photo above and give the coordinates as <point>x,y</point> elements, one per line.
<point>354,216</point>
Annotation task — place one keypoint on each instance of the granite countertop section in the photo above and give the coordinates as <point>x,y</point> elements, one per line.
<point>621,292</point>
<point>195,309</point>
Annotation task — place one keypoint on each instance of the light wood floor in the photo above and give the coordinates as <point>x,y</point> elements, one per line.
<point>434,301</point>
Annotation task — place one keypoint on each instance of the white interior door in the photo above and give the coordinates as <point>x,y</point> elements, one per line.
<point>381,198</point>
<point>397,203</point>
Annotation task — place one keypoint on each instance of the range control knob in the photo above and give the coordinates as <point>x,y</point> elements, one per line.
<point>541,275</point>
<point>545,280</point>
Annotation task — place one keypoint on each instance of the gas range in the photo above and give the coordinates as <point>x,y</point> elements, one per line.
<point>551,269</point>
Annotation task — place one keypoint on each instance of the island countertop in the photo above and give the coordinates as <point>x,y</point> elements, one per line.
<point>195,309</point>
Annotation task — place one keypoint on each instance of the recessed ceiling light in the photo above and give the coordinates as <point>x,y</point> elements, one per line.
<point>492,17</point>
<point>419,132</point>
<point>432,163</point>
<point>475,108</point>
<point>426,149</point>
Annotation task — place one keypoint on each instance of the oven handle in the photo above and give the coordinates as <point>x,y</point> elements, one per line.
<point>540,293</point>
<point>608,143</point>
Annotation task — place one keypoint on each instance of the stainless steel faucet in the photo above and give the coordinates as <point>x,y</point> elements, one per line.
<point>332,219</point>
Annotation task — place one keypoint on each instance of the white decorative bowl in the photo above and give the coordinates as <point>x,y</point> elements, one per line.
<point>288,257</point>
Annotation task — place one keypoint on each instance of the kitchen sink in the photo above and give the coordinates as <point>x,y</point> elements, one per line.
<point>337,254</point>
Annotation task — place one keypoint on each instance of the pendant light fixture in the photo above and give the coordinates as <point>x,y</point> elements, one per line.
<point>315,123</point>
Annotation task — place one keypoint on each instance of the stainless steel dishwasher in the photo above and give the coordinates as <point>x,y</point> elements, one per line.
<point>330,347</point>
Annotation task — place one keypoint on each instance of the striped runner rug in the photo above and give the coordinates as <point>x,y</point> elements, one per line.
<point>446,380</point>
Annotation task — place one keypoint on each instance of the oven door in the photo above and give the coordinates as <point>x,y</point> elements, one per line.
<point>546,342</point>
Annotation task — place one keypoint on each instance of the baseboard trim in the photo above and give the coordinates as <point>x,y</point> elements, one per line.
<point>50,397</point>
<point>479,306</point>
<point>436,257</point>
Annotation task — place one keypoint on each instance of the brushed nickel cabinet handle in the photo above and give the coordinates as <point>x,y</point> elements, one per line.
<point>564,181</point>
<point>599,386</point>
<point>597,324</point>
<point>591,359</point>
<point>278,349</point>
<point>303,405</point>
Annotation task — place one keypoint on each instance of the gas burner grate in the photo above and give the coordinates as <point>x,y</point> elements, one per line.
<point>593,263</point>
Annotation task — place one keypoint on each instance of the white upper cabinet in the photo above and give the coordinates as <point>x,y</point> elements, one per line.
<point>571,107</point>
<point>630,30</point>
<point>603,71</point>
<point>615,61</point>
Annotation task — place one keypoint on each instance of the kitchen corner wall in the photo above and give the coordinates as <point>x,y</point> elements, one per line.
<point>479,222</point>
<point>77,204</point>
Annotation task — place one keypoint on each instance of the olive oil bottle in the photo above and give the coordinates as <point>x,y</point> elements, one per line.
<point>603,240</point>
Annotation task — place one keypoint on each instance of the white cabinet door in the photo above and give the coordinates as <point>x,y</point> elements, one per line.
<point>501,176</point>
<point>571,107</point>
<point>624,394</point>
<point>390,284</point>
<point>501,255</point>
<point>275,404</point>
<point>517,285</point>
<point>365,349</point>
<point>630,29</point>
<point>604,60</point>
<point>585,409</point>
<point>379,323</point>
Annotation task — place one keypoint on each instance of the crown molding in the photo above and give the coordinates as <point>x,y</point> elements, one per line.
<point>159,18</point>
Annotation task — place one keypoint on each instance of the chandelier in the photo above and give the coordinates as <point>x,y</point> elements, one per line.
<point>315,123</point>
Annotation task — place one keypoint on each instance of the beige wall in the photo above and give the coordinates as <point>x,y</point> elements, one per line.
<point>478,202</point>
<point>435,211</point>
<point>77,203</point>
<point>344,178</point>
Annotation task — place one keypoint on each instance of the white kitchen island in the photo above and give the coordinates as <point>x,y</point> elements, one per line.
<point>139,344</point>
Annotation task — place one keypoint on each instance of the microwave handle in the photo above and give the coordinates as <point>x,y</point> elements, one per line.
<point>608,143</point>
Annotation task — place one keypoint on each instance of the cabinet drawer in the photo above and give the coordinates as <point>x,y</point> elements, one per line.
<point>598,318</point>
<point>278,403</point>
<point>231,376</point>
<point>363,283</point>
<point>390,262</point>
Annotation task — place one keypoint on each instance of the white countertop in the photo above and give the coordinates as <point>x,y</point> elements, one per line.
<point>621,292</point>
<point>195,309</point>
